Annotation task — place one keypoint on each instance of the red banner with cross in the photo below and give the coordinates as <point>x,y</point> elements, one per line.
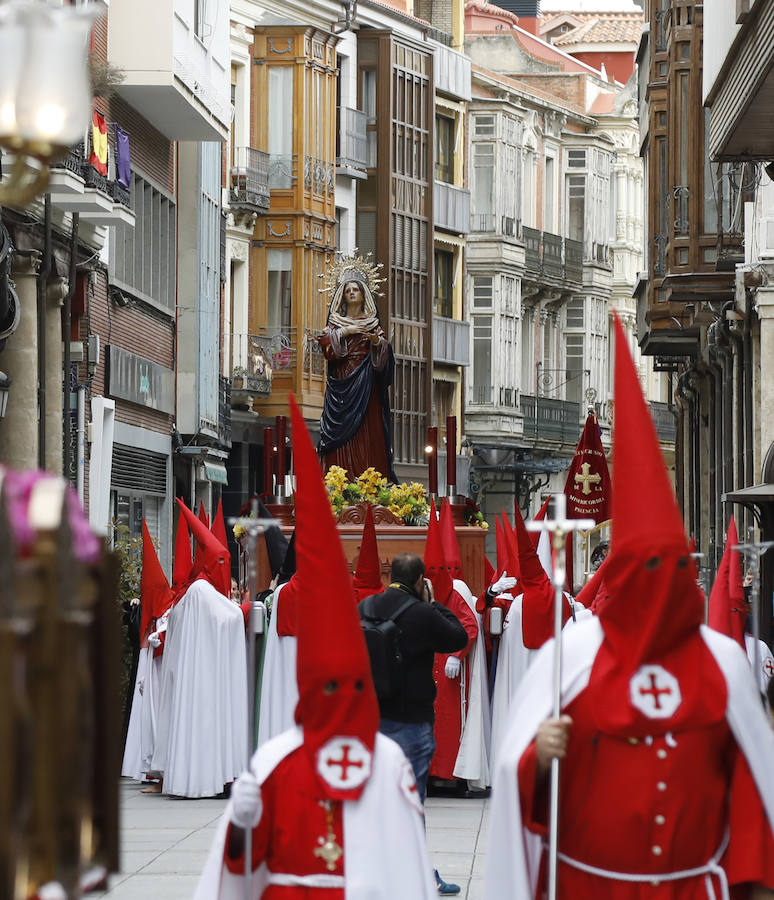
<point>588,482</point>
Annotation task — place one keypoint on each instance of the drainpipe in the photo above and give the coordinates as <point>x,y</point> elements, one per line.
<point>734,338</point>
<point>687,393</point>
<point>695,467</point>
<point>680,407</point>
<point>42,285</point>
<point>748,401</point>
<point>715,451</point>
<point>68,307</point>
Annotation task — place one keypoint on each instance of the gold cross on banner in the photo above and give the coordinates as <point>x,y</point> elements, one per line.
<point>587,479</point>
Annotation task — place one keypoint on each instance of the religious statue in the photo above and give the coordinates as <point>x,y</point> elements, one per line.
<point>356,428</point>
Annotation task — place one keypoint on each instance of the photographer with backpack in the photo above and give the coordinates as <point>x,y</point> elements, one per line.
<point>404,629</point>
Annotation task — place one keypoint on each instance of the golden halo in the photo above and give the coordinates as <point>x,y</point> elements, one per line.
<point>351,266</point>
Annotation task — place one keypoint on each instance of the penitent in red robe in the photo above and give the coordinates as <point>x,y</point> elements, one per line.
<point>290,829</point>
<point>449,698</point>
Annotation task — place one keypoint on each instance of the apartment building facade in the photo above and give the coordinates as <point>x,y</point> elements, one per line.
<point>129,227</point>
<point>555,248</point>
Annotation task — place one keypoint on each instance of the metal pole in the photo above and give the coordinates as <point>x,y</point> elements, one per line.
<point>80,471</point>
<point>68,306</point>
<point>252,551</point>
<point>254,527</point>
<point>559,527</point>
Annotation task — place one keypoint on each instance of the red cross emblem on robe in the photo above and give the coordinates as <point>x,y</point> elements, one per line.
<point>344,762</point>
<point>655,692</point>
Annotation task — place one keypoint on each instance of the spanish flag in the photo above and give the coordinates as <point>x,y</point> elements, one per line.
<point>99,143</point>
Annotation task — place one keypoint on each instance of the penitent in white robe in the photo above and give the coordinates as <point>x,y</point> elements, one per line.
<point>472,761</point>
<point>201,733</point>
<point>279,685</point>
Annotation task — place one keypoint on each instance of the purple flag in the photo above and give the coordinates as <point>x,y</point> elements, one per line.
<point>123,168</point>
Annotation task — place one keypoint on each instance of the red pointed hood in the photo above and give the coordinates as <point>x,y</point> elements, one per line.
<point>337,706</point>
<point>435,564</point>
<point>219,531</point>
<point>211,557</point>
<point>155,593</point>
<point>451,547</point>
<point>489,572</point>
<point>367,579</point>
<point>203,517</point>
<point>652,615</point>
<point>535,536</point>
<point>594,591</point>
<point>537,604</point>
<point>727,606</point>
<point>183,564</point>
<point>502,548</point>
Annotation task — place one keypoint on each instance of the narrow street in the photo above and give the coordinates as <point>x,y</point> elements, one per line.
<point>164,844</point>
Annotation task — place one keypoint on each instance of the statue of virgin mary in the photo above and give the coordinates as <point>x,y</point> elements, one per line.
<point>356,428</point>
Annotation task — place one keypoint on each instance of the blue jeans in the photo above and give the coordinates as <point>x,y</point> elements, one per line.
<point>417,742</point>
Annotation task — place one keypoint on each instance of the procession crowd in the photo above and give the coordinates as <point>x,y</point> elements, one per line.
<point>666,784</point>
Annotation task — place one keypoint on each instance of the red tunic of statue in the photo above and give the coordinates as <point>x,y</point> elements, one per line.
<point>648,807</point>
<point>448,701</point>
<point>367,447</point>
<point>293,825</point>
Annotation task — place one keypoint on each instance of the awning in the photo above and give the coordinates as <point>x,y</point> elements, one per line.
<point>215,471</point>
<point>758,494</point>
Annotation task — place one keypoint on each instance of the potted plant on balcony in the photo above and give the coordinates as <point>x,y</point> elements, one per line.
<point>238,376</point>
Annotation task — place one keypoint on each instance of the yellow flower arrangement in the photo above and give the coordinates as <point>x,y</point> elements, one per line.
<point>406,501</point>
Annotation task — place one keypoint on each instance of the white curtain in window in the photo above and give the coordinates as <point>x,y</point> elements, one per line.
<point>279,290</point>
<point>280,130</point>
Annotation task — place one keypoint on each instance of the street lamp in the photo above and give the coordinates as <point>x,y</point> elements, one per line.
<point>5,389</point>
<point>45,92</point>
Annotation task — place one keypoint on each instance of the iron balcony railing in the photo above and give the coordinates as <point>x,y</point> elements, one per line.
<point>483,395</point>
<point>551,420</point>
<point>451,341</point>
<point>314,358</point>
<point>318,175</point>
<point>483,222</point>
<point>75,161</point>
<point>250,179</point>
<point>506,226</point>
<point>282,171</point>
<point>353,141</point>
<point>664,420</point>
<point>451,207</point>
<point>573,260</point>
<point>558,257</point>
<point>266,354</point>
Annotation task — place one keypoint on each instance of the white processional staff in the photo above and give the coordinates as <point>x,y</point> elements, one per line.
<point>253,526</point>
<point>752,553</point>
<point>559,527</point>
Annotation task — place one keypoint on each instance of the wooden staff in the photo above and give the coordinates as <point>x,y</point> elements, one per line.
<point>559,527</point>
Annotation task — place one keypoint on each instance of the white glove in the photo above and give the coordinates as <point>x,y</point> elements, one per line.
<point>246,804</point>
<point>154,640</point>
<point>452,669</point>
<point>504,583</point>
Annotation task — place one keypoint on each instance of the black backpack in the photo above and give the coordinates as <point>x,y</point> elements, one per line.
<point>381,637</point>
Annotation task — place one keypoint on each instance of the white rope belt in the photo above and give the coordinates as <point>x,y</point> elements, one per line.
<point>712,867</point>
<point>322,880</point>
